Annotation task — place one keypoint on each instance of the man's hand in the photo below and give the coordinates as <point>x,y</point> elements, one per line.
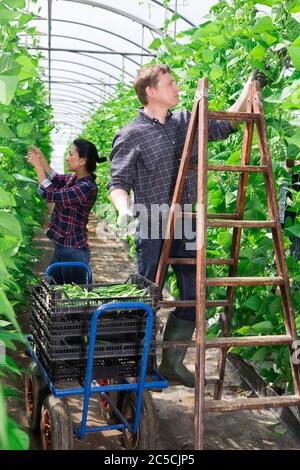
<point>260,77</point>
<point>125,217</point>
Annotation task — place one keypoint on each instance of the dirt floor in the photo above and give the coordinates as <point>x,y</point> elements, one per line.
<point>175,406</point>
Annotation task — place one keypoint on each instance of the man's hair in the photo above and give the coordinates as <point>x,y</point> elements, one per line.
<point>148,76</point>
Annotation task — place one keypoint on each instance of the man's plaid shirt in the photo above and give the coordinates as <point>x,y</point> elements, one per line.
<point>146,155</point>
<point>74,199</point>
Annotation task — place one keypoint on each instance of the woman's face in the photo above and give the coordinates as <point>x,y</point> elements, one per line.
<point>73,159</point>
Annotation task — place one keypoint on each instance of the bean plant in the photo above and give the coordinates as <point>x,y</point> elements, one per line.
<point>25,118</point>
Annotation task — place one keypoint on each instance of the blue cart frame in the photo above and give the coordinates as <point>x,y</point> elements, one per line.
<point>156,381</point>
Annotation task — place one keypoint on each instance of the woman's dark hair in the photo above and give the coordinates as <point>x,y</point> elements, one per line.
<point>88,151</point>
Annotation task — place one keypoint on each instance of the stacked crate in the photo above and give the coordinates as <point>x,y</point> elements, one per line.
<point>60,333</point>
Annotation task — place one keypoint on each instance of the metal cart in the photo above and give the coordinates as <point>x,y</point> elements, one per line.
<point>127,406</point>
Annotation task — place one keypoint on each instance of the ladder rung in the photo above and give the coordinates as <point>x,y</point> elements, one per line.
<point>192,303</point>
<point>232,341</point>
<point>245,281</point>
<point>193,261</point>
<point>221,406</point>
<point>241,223</point>
<point>223,216</point>
<point>229,116</point>
<point>238,168</point>
<point>209,216</point>
<point>244,341</point>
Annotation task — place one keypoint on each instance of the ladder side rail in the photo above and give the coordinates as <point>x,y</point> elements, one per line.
<point>201,267</point>
<point>286,298</point>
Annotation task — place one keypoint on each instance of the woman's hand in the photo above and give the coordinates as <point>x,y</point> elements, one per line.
<point>33,150</point>
<point>34,158</point>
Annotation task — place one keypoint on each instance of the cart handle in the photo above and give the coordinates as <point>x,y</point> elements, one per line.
<point>70,264</point>
<point>91,351</point>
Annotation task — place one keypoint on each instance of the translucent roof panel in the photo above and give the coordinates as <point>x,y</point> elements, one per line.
<point>89,46</point>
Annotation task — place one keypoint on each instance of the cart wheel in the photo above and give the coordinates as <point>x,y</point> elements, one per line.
<point>56,425</point>
<point>106,411</point>
<point>146,437</point>
<point>36,391</point>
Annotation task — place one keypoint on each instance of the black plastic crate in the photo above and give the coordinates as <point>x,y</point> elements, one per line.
<point>105,368</point>
<point>51,300</point>
<point>114,323</point>
<point>69,349</point>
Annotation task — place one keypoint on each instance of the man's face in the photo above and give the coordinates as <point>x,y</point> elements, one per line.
<point>167,91</point>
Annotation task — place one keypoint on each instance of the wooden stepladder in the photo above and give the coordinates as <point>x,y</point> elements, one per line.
<point>199,118</point>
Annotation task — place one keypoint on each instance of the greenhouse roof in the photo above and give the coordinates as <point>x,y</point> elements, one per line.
<point>87,47</point>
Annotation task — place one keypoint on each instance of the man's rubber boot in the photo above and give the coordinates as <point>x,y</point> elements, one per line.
<point>172,367</point>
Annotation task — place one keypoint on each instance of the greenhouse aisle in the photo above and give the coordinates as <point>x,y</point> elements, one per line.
<point>244,430</point>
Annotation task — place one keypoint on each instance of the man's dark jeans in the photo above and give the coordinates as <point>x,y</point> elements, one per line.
<point>148,253</point>
<point>69,275</point>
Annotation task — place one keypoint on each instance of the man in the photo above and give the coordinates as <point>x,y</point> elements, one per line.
<point>145,158</point>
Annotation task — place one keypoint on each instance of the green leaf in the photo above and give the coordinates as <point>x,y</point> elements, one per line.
<point>18,439</point>
<point>176,16</point>
<point>258,52</point>
<point>263,24</point>
<point>294,230</point>
<point>260,355</point>
<point>254,302</point>
<point>28,69</point>
<point>208,56</point>
<point>263,327</point>
<point>293,6</point>
<point>268,38</point>
<point>6,200</point>
<point>20,4</point>
<point>9,65</point>
<point>24,129</point>
<point>9,225</point>
<point>155,44</point>
<point>294,51</point>
<point>25,179</point>
<point>7,311</point>
<point>8,85</point>
<point>5,131</point>
<point>9,246</point>
<point>216,72</point>
<point>269,3</point>
<point>6,15</point>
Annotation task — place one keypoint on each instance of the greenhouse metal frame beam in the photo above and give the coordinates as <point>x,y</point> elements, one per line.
<point>94,27</point>
<point>73,116</point>
<point>76,87</point>
<point>84,75</point>
<point>61,99</point>
<point>78,51</point>
<point>117,11</point>
<point>72,111</point>
<point>62,49</point>
<point>76,82</point>
<point>86,66</point>
<point>75,38</point>
<point>75,94</point>
<point>91,84</point>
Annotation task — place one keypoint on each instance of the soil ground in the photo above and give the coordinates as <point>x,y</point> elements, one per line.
<point>175,406</point>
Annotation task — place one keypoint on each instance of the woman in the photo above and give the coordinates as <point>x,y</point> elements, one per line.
<point>74,196</point>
